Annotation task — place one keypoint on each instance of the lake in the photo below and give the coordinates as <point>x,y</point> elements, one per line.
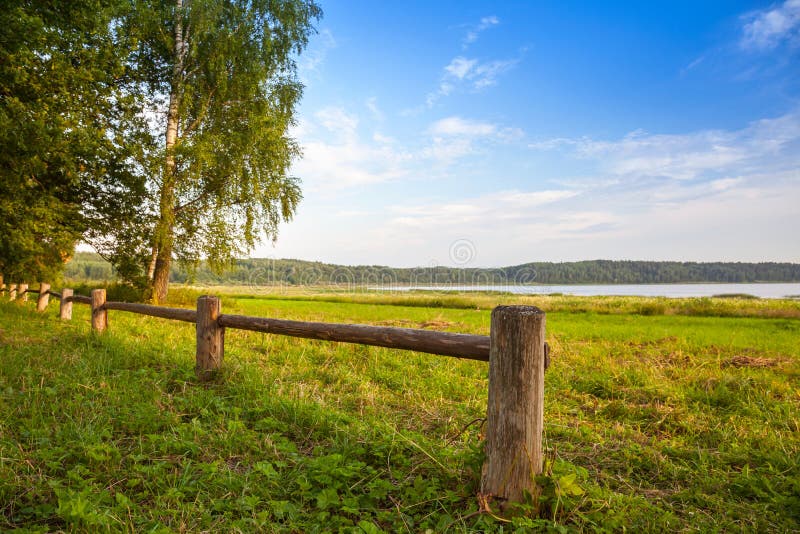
<point>642,290</point>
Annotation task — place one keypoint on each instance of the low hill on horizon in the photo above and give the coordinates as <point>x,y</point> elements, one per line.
<point>90,267</point>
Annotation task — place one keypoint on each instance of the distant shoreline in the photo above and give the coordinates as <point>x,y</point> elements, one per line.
<point>771,290</point>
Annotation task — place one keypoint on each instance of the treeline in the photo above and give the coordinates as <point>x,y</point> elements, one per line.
<point>89,267</point>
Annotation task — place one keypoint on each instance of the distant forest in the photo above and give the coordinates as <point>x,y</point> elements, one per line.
<point>90,267</point>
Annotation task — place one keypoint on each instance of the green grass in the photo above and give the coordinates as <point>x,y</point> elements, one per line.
<point>656,420</point>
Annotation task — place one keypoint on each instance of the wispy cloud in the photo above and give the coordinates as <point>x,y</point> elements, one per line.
<point>454,137</point>
<point>511,205</point>
<point>767,143</point>
<point>340,151</point>
<point>310,61</point>
<point>768,28</point>
<point>692,65</point>
<point>375,111</point>
<point>705,195</point>
<point>337,121</point>
<point>704,221</point>
<point>484,24</point>
<point>335,157</point>
<point>462,127</point>
<point>470,73</point>
<point>460,67</point>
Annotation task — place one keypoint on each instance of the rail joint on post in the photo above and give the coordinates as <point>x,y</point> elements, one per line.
<point>99,313</point>
<point>44,297</point>
<point>65,306</point>
<point>210,337</point>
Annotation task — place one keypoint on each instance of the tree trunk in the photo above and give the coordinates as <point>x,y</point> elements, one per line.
<point>165,228</point>
<point>151,268</point>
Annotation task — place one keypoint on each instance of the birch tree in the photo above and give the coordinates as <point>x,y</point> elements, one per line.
<point>217,82</point>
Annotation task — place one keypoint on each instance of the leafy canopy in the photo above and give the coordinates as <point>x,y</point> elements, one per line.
<point>228,69</point>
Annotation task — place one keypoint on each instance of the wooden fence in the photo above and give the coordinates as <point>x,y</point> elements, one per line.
<point>515,349</point>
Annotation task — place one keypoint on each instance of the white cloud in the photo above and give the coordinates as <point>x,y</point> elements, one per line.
<point>453,138</point>
<point>337,121</point>
<point>518,199</point>
<point>704,196</point>
<point>459,67</point>
<point>704,154</point>
<point>339,155</point>
<point>375,111</point>
<point>351,213</point>
<point>335,157</point>
<point>342,152</point>
<point>452,216</point>
<point>485,74</point>
<point>446,150</point>
<point>310,61</point>
<point>471,73</point>
<point>383,139</point>
<point>743,218</point>
<point>768,28</point>
<point>484,24</point>
<point>693,64</point>
<point>553,143</point>
<point>458,126</point>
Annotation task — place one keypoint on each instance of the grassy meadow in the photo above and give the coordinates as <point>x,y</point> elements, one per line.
<point>660,415</point>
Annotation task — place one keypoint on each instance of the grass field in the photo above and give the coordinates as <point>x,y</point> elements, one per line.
<point>660,415</point>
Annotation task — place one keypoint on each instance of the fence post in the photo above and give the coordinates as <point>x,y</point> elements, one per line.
<point>44,296</point>
<point>65,307</point>
<point>515,415</point>
<point>99,313</point>
<point>2,285</point>
<point>12,292</point>
<point>210,337</point>
<point>23,292</point>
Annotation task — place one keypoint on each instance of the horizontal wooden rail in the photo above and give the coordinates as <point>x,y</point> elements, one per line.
<point>444,343</point>
<point>55,294</point>
<point>178,314</point>
<point>80,298</point>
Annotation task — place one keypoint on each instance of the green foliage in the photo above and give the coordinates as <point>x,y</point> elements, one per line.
<point>225,75</point>
<point>57,72</point>
<point>652,423</point>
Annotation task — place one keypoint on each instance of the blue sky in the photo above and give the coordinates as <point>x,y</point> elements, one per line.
<point>498,133</point>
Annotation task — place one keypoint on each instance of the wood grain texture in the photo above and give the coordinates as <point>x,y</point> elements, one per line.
<point>210,337</point>
<point>178,314</point>
<point>65,307</point>
<point>443,343</point>
<point>44,297</point>
<point>99,313</point>
<point>515,413</point>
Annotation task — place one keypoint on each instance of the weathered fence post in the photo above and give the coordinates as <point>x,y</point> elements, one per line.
<point>99,313</point>
<point>23,292</point>
<point>210,337</point>
<point>44,296</point>
<point>65,307</point>
<point>2,285</point>
<point>515,413</point>
<point>12,292</point>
